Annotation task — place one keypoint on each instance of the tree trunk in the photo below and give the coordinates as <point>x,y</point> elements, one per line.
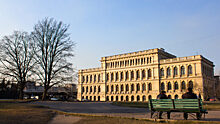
<point>21,91</point>
<point>21,94</point>
<point>44,97</point>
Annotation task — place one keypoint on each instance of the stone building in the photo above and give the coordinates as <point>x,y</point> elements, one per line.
<point>139,76</point>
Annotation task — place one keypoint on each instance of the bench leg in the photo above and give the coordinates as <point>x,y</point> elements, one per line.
<point>168,115</point>
<point>185,115</point>
<point>151,114</point>
<point>198,116</point>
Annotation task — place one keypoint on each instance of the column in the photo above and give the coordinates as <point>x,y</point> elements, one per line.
<point>179,71</point>
<point>194,69</point>
<point>187,74</point>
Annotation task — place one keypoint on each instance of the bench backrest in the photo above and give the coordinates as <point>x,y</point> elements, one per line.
<point>160,104</point>
<point>187,104</point>
<point>175,104</point>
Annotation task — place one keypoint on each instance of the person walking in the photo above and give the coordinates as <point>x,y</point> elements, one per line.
<point>189,95</point>
<point>163,95</point>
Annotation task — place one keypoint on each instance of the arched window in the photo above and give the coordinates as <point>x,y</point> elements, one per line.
<point>90,98</point>
<point>116,88</point>
<point>144,98</point>
<point>94,89</point>
<point>99,78</point>
<point>132,98</point>
<point>169,87</point>
<point>116,76</point>
<point>112,75</point>
<point>169,97</point>
<point>143,74</point>
<point>116,99</point>
<point>87,79</point>
<point>90,79</point>
<point>132,75</point>
<point>183,85</point>
<point>112,88</point>
<point>143,87</point>
<point>99,89</point>
<point>176,87</point>
<point>161,72</point>
<point>162,86</point>
<point>107,77</point>
<point>138,74</point>
<point>87,89</point>
<point>127,98</point>
<point>122,87</point>
<point>176,96</point>
<point>175,72</point>
<point>132,87</point>
<point>107,98</point>
<point>182,70</point>
<point>149,73</point>
<point>107,88</point>
<point>138,61</point>
<point>94,78</point>
<point>94,98</point>
<point>83,89</point>
<point>149,86</point>
<point>112,98</point>
<point>168,72</point>
<point>122,98</point>
<point>138,98</point>
<point>126,63</point>
<point>90,89</point>
<point>190,84</point>
<point>131,63</point>
<point>83,79</point>
<point>127,87</point>
<point>138,87</point>
<point>189,69</point>
<point>149,97</point>
<point>126,75</point>
<point>147,60</point>
<point>122,75</point>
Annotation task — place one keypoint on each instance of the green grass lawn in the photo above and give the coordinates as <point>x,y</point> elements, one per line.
<point>22,113</point>
<point>132,104</point>
<point>206,105</point>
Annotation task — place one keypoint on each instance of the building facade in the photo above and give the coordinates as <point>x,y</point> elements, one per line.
<point>139,76</point>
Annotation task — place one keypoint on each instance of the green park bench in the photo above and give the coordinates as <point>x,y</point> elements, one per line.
<point>177,105</point>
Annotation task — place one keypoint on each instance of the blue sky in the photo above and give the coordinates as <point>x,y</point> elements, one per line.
<point>107,27</point>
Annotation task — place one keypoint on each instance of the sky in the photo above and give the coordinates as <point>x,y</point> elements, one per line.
<point>109,27</point>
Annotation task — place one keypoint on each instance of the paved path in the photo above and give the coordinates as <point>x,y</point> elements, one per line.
<point>89,107</point>
<point>63,119</point>
<point>105,108</point>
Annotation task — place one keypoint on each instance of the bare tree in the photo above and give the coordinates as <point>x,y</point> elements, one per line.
<point>54,49</point>
<point>16,58</point>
